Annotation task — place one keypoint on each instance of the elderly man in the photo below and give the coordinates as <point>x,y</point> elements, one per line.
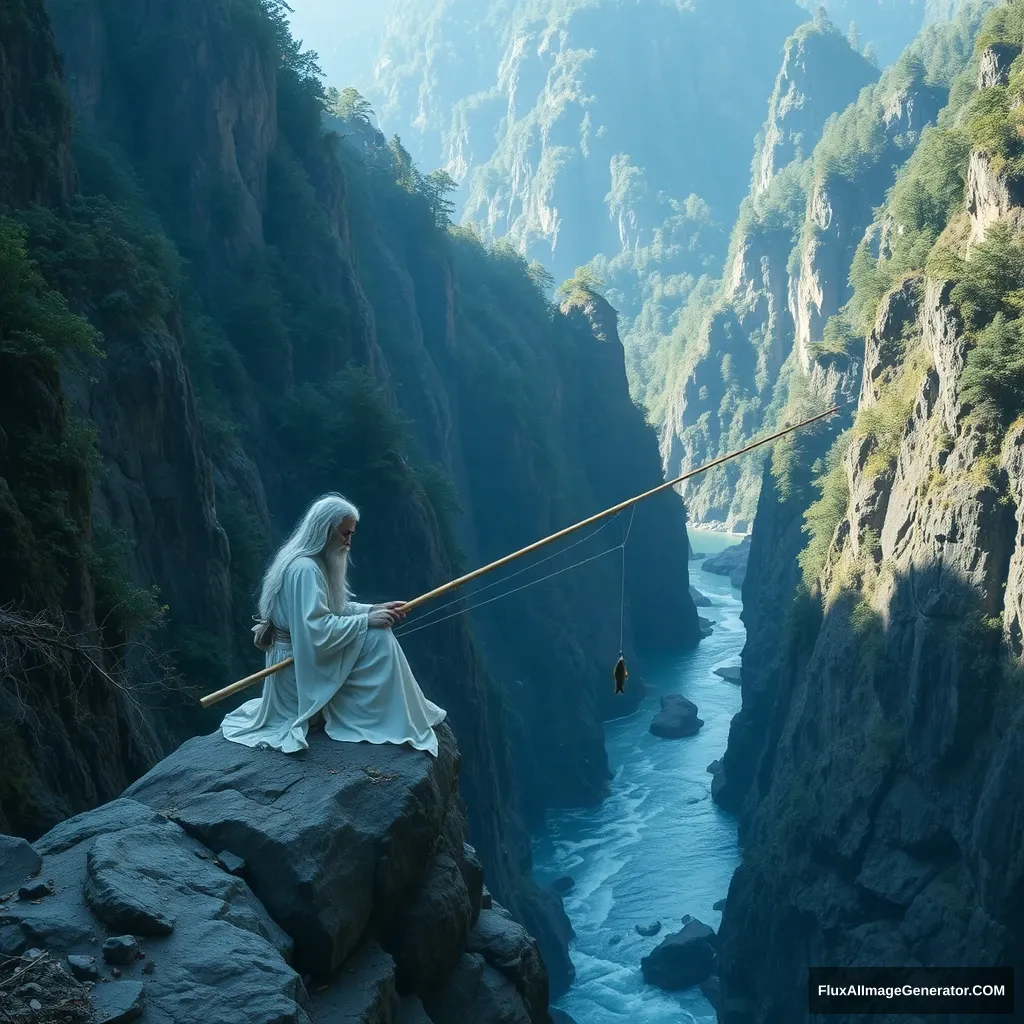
<point>348,668</point>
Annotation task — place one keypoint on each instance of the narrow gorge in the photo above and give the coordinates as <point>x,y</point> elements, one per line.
<point>487,268</point>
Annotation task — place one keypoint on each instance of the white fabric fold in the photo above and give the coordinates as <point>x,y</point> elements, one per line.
<point>357,676</point>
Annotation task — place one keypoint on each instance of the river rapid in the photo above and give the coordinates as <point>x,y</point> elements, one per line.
<point>658,847</point>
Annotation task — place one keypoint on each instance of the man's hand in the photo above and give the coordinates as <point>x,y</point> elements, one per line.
<point>384,616</point>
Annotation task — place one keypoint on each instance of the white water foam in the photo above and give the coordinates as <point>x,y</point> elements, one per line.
<point>658,847</point>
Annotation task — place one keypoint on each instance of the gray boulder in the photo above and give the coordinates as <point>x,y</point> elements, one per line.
<point>473,876</point>
<point>428,934</point>
<point>18,863</point>
<point>353,825</point>
<point>677,718</point>
<point>729,561</point>
<point>225,958</point>
<point>683,959</point>
<point>699,599</point>
<point>509,948</point>
<point>115,1002</point>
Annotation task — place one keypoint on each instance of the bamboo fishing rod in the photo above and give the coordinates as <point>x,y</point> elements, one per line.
<point>446,588</point>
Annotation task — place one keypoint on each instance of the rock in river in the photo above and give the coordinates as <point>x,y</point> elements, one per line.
<point>677,718</point>
<point>683,959</point>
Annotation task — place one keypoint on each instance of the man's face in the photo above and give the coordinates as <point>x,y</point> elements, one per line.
<point>343,533</point>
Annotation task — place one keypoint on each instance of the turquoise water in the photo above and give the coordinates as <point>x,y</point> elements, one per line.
<point>658,847</point>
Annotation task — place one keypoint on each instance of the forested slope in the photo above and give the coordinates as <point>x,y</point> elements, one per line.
<point>745,351</point>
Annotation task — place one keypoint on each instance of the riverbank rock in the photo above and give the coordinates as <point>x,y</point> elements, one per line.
<point>700,600</point>
<point>677,718</point>
<point>731,562</point>
<point>707,626</point>
<point>731,674</point>
<point>356,875</point>
<point>683,959</point>
<point>18,864</point>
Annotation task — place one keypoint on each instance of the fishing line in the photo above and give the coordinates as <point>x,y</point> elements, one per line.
<point>622,596</point>
<point>552,575</point>
<point>533,565</point>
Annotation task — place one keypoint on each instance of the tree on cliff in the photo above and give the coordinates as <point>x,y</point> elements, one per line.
<point>582,283</point>
<point>436,187</point>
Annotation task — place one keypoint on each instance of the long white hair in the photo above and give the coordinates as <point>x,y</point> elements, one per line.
<point>311,538</point>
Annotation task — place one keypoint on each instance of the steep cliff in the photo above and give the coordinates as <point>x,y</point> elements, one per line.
<point>875,760</point>
<point>268,311</point>
<point>58,678</point>
<point>559,86</point>
<point>780,318</point>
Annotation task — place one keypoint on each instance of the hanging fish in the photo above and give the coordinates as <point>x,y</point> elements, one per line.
<point>620,674</point>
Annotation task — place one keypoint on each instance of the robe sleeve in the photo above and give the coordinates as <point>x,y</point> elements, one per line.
<point>327,633</point>
<point>355,608</point>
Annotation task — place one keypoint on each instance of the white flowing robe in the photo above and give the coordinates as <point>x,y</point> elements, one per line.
<point>356,675</point>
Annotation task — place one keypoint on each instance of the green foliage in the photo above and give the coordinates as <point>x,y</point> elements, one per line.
<point>580,286</point>
<point>839,337</point>
<point>824,515</point>
<point>989,292</point>
<point>122,608</point>
<point>992,385</point>
<point>994,127</point>
<point>1005,24</point>
<point>991,281</point>
<point>16,773</point>
<point>885,422</point>
<point>35,319</point>
<point>103,260</point>
<point>349,105</point>
<point>436,188</point>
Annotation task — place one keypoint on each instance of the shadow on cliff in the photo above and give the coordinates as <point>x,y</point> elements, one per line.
<point>883,825</point>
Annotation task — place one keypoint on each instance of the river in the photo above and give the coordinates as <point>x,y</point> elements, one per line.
<point>658,847</point>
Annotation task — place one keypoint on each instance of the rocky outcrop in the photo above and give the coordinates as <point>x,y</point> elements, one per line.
<point>729,562</point>
<point>991,196</point>
<point>350,889</point>
<point>884,848</point>
<point>821,73</point>
<point>788,278</point>
<point>994,64</point>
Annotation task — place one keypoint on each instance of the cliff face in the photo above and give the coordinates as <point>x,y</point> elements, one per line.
<point>821,73</point>
<point>35,133</point>
<point>57,677</point>
<point>321,332</point>
<point>781,314</point>
<point>746,335</point>
<point>869,759</point>
<point>568,80</point>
